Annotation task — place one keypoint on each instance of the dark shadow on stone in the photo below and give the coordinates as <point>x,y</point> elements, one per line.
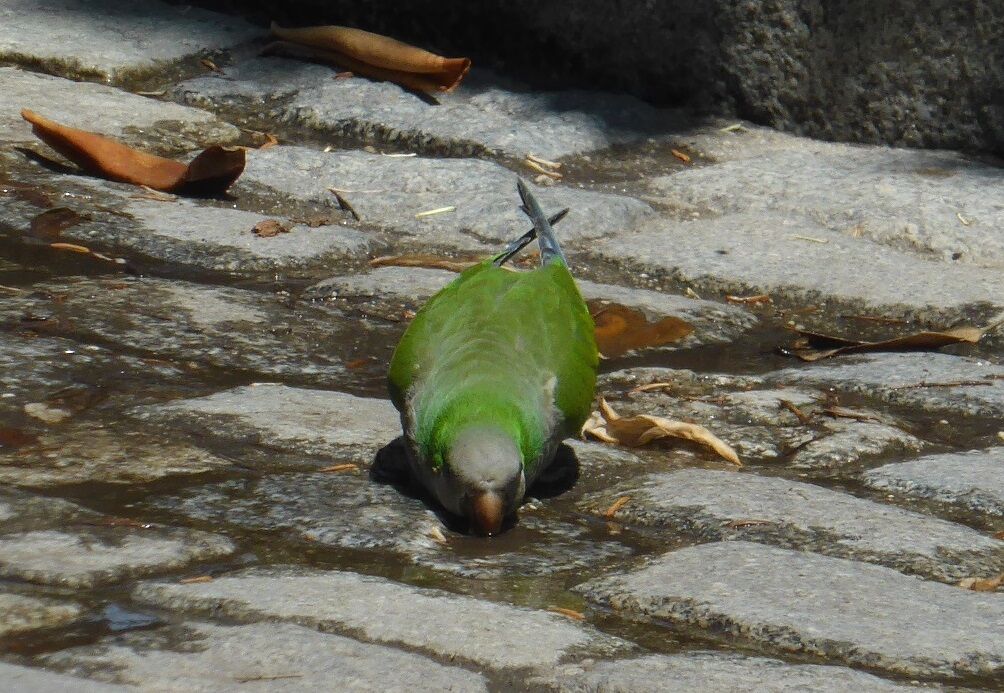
<point>390,466</point>
<point>50,164</point>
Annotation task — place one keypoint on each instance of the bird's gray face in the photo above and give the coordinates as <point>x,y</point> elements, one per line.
<point>483,479</point>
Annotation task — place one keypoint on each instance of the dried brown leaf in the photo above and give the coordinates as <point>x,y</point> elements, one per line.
<point>569,613</point>
<point>650,387</point>
<point>379,57</point>
<point>682,156</point>
<point>269,228</point>
<point>802,417</point>
<point>196,580</point>
<point>348,467</point>
<point>635,431</point>
<point>843,413</point>
<point>210,65</point>
<point>13,438</point>
<point>982,584</point>
<point>620,329</point>
<point>758,299</point>
<point>211,172</point>
<point>611,512</point>
<point>814,346</point>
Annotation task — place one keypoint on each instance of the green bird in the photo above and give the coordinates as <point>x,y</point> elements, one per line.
<point>492,374</point>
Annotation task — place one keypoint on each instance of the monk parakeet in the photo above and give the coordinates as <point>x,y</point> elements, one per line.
<point>492,374</point>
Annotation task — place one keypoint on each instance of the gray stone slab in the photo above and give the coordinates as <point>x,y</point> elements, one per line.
<point>314,422</point>
<point>36,680</point>
<point>21,511</point>
<point>804,603</point>
<point>409,286</point>
<point>215,326</point>
<point>972,480</point>
<point>486,115</point>
<point>444,625</point>
<point>273,657</point>
<point>345,510</point>
<point>45,366</point>
<point>97,555</point>
<point>389,191</point>
<point>767,252</point>
<point>714,505</point>
<point>78,454</point>
<point>135,120</point>
<point>935,204</point>
<point>713,672</point>
<point>848,443</point>
<point>930,381</point>
<point>110,40</point>
<point>20,614</point>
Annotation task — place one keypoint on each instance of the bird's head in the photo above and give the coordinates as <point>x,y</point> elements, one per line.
<point>485,468</point>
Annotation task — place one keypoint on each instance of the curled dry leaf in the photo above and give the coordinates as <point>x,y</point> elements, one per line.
<point>814,346</point>
<point>335,469</point>
<point>568,613</point>
<point>634,431</point>
<point>379,57</point>
<point>611,512</point>
<point>211,172</point>
<point>422,260</point>
<point>620,329</point>
<point>269,228</point>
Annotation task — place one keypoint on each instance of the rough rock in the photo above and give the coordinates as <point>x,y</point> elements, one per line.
<point>279,657</point>
<point>800,262</point>
<point>215,326</point>
<point>95,555</point>
<point>929,381</point>
<point>388,192</point>
<point>972,480</point>
<point>114,454</point>
<point>36,680</point>
<point>20,614</point>
<point>314,422</point>
<point>408,286</point>
<point>938,205</point>
<point>135,120</point>
<point>923,75</point>
<point>344,510</point>
<point>713,672</point>
<point>713,506</point>
<point>109,41</point>
<point>438,623</point>
<point>488,115</point>
<point>814,605</point>
<point>22,511</point>
<point>849,443</point>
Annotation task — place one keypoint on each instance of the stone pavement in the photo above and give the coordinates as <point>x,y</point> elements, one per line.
<point>192,497</point>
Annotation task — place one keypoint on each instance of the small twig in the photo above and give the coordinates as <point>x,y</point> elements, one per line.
<point>543,162</point>
<point>962,219</point>
<point>541,170</point>
<point>810,238</point>
<point>876,318</point>
<point>433,212</point>
<point>611,512</point>
<point>956,383</point>
<point>263,677</point>
<point>790,406</point>
<point>12,289</point>
<point>399,156</point>
<point>736,127</point>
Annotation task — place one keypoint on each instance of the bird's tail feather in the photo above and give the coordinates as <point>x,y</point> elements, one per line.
<point>549,247</point>
<point>525,240</point>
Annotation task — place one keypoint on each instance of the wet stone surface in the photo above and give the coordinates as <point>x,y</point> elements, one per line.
<point>973,480</point>
<point>498,117</point>
<point>714,506</point>
<point>205,657</point>
<point>135,120</point>
<point>437,623</point>
<point>709,671</point>
<point>20,614</point>
<point>109,40</point>
<point>202,481</point>
<point>774,598</point>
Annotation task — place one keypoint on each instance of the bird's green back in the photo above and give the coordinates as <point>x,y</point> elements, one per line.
<point>514,349</point>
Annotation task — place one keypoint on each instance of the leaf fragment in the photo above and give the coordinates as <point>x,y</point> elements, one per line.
<point>13,438</point>
<point>620,329</point>
<point>682,156</point>
<point>611,512</point>
<point>338,468</point>
<point>982,584</point>
<point>568,613</point>
<point>269,228</point>
<point>198,579</point>
<point>48,225</point>
<point>756,300</point>
<point>211,172</point>
<point>434,212</point>
<point>813,346</point>
<point>634,431</point>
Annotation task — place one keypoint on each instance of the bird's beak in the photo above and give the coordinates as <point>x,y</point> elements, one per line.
<point>487,513</point>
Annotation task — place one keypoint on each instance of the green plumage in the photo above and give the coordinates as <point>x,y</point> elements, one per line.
<point>515,350</point>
